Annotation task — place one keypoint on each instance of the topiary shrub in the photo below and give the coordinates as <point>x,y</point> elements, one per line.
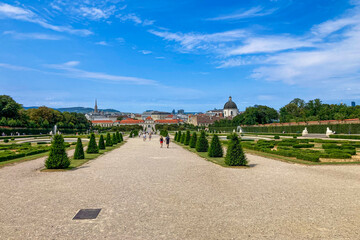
<point>202,144</point>
<point>193,140</point>
<point>121,137</point>
<point>176,134</point>
<point>58,158</point>
<point>215,149</point>
<point>6,140</point>
<point>108,140</point>
<point>92,147</point>
<point>118,137</point>
<point>183,138</point>
<point>235,155</point>
<point>114,139</point>
<point>79,150</point>
<point>179,137</point>
<point>101,142</point>
<point>187,138</point>
<point>276,137</point>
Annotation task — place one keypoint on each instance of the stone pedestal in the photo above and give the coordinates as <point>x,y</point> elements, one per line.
<point>329,132</point>
<point>305,132</point>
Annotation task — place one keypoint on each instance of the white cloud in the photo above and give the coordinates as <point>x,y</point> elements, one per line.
<point>240,61</point>
<point>252,12</point>
<point>269,44</point>
<point>191,41</point>
<point>132,17</point>
<point>16,68</point>
<point>97,13</point>
<point>71,71</point>
<point>36,36</point>
<point>18,13</point>
<point>145,52</point>
<point>103,43</point>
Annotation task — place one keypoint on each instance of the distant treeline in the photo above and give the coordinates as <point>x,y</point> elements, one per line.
<point>13,115</point>
<point>296,111</point>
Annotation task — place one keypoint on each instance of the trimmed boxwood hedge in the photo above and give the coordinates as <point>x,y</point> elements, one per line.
<point>338,128</point>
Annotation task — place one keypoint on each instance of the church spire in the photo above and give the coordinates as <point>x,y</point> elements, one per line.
<point>96,108</point>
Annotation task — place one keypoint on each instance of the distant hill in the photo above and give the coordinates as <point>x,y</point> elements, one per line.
<point>78,109</point>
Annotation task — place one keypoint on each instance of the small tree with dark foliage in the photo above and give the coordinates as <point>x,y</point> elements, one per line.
<point>193,140</point>
<point>101,142</point>
<point>108,140</point>
<point>92,147</point>
<point>235,155</point>
<point>58,158</point>
<point>202,144</point>
<point>114,139</point>
<point>187,138</point>
<point>79,150</point>
<point>215,149</point>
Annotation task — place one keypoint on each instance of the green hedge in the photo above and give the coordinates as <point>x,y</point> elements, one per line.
<point>345,136</point>
<point>303,145</point>
<point>338,128</point>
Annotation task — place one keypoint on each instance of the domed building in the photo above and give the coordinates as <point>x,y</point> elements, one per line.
<point>230,109</point>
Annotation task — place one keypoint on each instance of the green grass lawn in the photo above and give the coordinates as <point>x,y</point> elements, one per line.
<point>28,158</point>
<point>219,161</point>
<point>293,160</point>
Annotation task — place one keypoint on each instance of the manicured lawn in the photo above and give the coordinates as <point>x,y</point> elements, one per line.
<point>28,158</point>
<point>293,160</point>
<point>218,161</point>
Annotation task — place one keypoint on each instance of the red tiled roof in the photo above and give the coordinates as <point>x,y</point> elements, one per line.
<point>102,121</point>
<point>168,121</point>
<point>131,121</point>
<point>149,118</point>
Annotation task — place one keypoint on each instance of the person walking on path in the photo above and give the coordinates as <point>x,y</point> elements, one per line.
<point>150,136</point>
<point>167,141</point>
<point>144,137</point>
<point>161,141</point>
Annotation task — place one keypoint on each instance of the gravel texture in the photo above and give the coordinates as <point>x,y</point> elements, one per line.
<point>150,193</point>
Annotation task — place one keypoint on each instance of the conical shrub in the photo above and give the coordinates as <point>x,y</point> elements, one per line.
<point>92,147</point>
<point>215,149</point>
<point>182,140</point>
<point>79,150</point>
<point>114,139</point>
<point>108,140</point>
<point>176,134</point>
<point>193,140</point>
<point>235,155</point>
<point>187,138</point>
<point>121,137</point>
<point>58,158</point>
<point>101,142</point>
<point>179,137</point>
<point>118,137</point>
<point>202,144</point>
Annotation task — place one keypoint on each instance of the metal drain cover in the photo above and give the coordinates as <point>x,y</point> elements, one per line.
<point>87,214</point>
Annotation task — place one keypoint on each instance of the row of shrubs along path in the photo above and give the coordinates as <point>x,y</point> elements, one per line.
<point>148,192</point>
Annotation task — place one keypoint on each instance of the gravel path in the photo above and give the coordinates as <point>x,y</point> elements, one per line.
<point>150,193</point>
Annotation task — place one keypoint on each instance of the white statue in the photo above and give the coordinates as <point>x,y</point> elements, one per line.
<point>305,132</point>
<point>329,132</point>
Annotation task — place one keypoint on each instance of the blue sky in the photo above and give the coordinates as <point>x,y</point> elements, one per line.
<point>161,54</point>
